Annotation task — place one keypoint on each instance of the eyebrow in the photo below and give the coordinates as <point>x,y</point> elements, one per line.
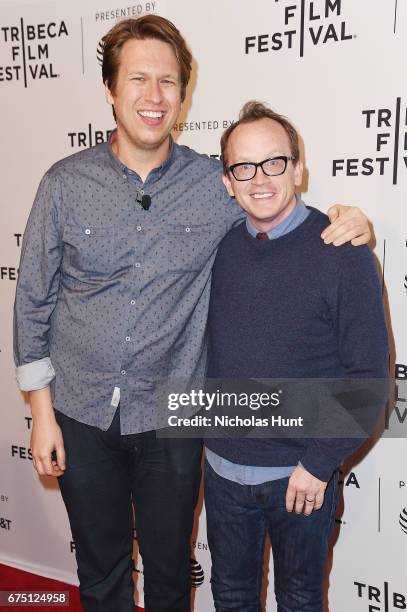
<point>276,154</point>
<point>143,73</point>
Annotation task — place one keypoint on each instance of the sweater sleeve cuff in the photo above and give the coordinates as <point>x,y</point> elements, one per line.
<point>35,375</point>
<point>322,470</point>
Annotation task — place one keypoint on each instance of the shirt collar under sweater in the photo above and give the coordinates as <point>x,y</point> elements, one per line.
<point>294,219</point>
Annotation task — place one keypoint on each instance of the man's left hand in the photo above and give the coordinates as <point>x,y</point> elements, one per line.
<point>348,223</point>
<point>305,492</point>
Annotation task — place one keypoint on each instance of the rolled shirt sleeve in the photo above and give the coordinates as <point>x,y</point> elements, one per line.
<point>35,375</point>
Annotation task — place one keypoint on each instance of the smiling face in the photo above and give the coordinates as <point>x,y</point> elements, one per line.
<point>267,200</point>
<point>147,95</point>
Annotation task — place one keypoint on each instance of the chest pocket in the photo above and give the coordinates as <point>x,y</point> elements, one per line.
<point>88,249</point>
<point>187,248</point>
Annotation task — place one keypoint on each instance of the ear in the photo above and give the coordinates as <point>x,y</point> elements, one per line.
<point>298,172</point>
<point>228,184</point>
<point>108,95</point>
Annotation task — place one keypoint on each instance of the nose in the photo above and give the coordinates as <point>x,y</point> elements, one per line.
<point>260,178</point>
<point>153,92</point>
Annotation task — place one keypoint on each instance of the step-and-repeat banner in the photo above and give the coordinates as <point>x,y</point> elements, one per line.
<point>337,68</point>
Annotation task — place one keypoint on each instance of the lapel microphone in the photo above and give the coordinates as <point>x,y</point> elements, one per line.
<point>144,201</point>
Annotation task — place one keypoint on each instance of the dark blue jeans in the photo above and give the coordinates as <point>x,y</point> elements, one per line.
<point>107,472</point>
<point>238,518</point>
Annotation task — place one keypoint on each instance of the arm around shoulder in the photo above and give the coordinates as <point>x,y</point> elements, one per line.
<point>348,224</point>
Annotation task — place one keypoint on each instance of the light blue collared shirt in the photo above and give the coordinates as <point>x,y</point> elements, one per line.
<point>294,219</point>
<point>255,474</point>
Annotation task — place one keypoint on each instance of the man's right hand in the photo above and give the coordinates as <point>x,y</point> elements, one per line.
<point>46,436</point>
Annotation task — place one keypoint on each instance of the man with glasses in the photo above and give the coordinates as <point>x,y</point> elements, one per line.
<point>283,306</point>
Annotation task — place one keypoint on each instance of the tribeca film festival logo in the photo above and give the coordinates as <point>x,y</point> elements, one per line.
<point>306,24</point>
<point>88,137</point>
<point>380,599</point>
<point>29,50</point>
<point>389,138</point>
<point>11,272</point>
<point>22,452</point>
<point>398,410</point>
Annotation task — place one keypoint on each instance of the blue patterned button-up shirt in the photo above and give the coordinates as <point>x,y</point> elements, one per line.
<point>112,298</point>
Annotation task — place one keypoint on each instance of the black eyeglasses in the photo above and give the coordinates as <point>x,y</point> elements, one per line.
<point>271,167</point>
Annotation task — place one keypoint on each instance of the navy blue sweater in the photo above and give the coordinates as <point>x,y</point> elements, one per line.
<point>294,308</point>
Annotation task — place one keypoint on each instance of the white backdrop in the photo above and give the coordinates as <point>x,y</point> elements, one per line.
<point>337,69</point>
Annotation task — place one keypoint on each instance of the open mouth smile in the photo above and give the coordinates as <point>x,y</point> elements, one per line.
<point>151,114</point>
<point>262,196</point>
<point>152,118</point>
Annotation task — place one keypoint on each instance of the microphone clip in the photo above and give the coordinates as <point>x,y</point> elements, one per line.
<point>144,201</point>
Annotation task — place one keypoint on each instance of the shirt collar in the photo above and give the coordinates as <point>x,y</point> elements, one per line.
<point>295,218</point>
<point>124,171</point>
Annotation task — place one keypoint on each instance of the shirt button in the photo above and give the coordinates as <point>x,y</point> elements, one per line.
<point>124,175</point>
<point>187,229</point>
<point>123,372</point>
<point>138,264</point>
<point>132,302</point>
<point>139,228</point>
<point>142,192</point>
<point>87,231</point>
<point>128,338</point>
